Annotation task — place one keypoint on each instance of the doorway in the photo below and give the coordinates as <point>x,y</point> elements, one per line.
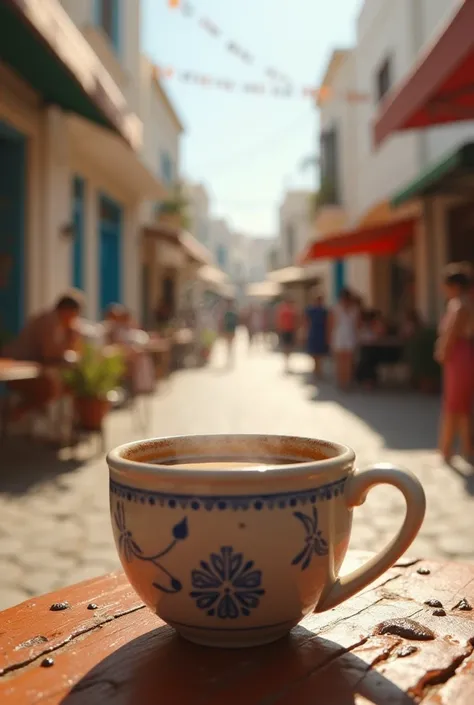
<point>12,231</point>
<point>460,245</point>
<point>110,252</point>
<point>78,203</point>
<point>339,277</point>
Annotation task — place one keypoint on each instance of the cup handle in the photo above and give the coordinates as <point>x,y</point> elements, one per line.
<point>357,487</point>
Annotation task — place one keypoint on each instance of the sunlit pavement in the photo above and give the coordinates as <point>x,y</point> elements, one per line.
<point>55,526</point>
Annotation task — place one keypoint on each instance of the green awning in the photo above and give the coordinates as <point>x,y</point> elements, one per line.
<point>30,54</point>
<point>454,174</point>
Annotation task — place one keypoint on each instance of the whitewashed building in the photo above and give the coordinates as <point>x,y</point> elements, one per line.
<point>164,263</point>
<point>198,211</point>
<point>390,39</point>
<point>294,228</point>
<point>70,141</point>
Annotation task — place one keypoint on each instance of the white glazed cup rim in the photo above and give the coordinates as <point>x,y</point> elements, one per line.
<point>125,458</point>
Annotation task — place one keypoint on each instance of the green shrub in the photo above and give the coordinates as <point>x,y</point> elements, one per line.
<point>95,374</point>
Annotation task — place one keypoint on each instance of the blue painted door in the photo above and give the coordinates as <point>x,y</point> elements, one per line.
<point>110,252</point>
<point>12,237</point>
<point>339,276</point>
<point>78,254</point>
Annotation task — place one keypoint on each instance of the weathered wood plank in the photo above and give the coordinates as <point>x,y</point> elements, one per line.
<point>31,629</point>
<point>122,653</point>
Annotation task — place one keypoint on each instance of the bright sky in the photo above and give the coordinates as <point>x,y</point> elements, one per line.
<point>248,150</point>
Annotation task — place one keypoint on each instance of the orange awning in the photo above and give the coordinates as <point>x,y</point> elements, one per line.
<point>382,240</point>
<point>440,89</point>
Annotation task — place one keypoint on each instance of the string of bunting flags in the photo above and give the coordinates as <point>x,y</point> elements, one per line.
<point>250,88</point>
<point>212,29</point>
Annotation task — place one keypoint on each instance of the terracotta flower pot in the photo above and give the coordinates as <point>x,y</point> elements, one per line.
<point>91,412</point>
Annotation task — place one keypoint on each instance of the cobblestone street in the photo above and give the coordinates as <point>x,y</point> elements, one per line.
<point>55,527</point>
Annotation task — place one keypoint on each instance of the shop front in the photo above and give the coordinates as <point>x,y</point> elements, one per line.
<point>12,231</point>
<point>438,92</point>
<point>388,249</point>
<point>446,230</point>
<point>49,76</point>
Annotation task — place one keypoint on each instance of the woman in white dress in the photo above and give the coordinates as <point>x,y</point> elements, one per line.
<point>344,332</point>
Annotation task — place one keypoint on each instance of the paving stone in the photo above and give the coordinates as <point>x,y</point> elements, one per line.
<point>456,543</point>
<point>36,559</point>
<point>37,582</point>
<point>55,526</point>
<point>10,546</point>
<point>10,596</point>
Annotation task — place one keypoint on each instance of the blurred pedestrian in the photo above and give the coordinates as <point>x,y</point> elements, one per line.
<point>229,325</point>
<point>254,323</point>
<point>287,327</point>
<point>344,323</point>
<point>455,352</point>
<point>317,332</point>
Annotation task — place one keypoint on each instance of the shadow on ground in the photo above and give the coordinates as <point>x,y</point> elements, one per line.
<point>405,420</point>
<point>26,462</point>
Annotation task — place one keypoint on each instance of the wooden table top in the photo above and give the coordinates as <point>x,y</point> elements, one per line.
<point>122,654</point>
<point>15,370</point>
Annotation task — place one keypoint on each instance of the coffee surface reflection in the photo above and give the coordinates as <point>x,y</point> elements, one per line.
<point>225,464</point>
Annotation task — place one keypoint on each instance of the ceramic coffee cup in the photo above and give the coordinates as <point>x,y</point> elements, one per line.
<point>237,557</point>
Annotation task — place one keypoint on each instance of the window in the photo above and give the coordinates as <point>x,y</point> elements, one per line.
<point>290,241</point>
<point>329,190</point>
<point>166,168</point>
<point>107,17</point>
<point>383,79</point>
<point>221,256</point>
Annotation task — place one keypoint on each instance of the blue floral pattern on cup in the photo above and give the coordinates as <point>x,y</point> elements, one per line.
<point>130,549</point>
<point>227,586</point>
<point>314,543</point>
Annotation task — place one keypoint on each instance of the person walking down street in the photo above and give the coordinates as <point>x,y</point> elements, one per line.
<point>317,337</point>
<point>254,324</point>
<point>455,352</point>
<point>229,324</point>
<point>344,323</point>
<point>287,326</point>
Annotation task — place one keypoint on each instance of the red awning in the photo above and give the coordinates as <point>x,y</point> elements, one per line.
<point>440,88</point>
<point>387,239</point>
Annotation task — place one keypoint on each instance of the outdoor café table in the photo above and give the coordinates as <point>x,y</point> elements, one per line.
<point>106,648</point>
<point>160,350</point>
<point>183,341</point>
<point>16,370</point>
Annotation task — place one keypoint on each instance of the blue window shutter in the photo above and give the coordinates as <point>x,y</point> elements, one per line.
<point>166,168</point>
<point>97,11</point>
<point>117,26</point>
<point>78,259</point>
<point>116,29</point>
<point>339,269</point>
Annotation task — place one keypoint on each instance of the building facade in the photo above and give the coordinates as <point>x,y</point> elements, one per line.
<point>294,225</point>
<point>198,211</point>
<point>70,137</point>
<point>390,38</point>
<point>164,265</point>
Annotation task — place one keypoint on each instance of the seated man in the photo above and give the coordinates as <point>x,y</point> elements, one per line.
<point>50,339</point>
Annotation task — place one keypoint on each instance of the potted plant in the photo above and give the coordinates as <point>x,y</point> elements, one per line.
<point>426,373</point>
<point>173,212</point>
<point>92,380</point>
